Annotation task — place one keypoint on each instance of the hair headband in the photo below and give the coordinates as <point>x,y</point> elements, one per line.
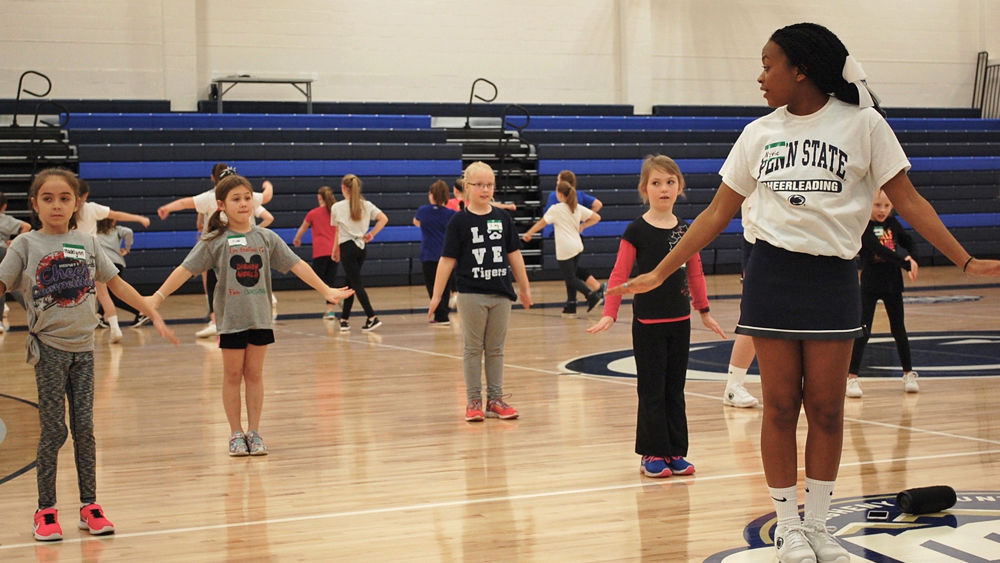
<point>854,74</point>
<point>229,171</point>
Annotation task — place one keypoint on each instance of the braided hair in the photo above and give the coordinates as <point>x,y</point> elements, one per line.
<point>819,54</point>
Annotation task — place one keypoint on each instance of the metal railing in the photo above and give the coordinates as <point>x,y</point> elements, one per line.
<point>474,95</point>
<point>21,88</point>
<point>986,92</point>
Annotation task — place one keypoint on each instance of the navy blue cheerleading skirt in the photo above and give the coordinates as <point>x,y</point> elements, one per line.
<point>799,296</point>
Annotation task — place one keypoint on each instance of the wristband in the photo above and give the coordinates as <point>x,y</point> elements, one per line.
<point>705,310</point>
<point>163,297</point>
<point>966,265</point>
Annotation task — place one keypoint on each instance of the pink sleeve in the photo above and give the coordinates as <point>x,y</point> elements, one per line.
<point>696,282</point>
<point>619,275</point>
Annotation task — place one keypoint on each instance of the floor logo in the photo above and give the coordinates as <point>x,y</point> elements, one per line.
<point>19,439</point>
<point>935,354</point>
<point>872,529</point>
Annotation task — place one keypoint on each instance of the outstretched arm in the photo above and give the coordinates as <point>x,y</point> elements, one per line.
<point>308,275</point>
<point>122,216</point>
<point>918,212</point>
<point>128,294</point>
<point>266,190</point>
<point>176,205</point>
<point>297,241</point>
<point>703,230</point>
<point>539,225</point>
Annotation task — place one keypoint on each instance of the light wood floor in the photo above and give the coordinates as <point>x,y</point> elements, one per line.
<point>371,458</point>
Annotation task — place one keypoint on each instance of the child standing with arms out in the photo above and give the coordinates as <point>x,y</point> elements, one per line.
<point>323,236</point>
<point>87,217</point>
<point>815,164</point>
<point>482,248</point>
<point>569,220</point>
<point>242,256</point>
<point>116,241</point>
<point>432,218</point>
<point>886,249</point>
<point>661,325</point>
<point>56,268</point>
<point>9,228</point>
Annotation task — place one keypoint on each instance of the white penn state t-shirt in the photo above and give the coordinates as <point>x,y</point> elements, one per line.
<point>815,176</point>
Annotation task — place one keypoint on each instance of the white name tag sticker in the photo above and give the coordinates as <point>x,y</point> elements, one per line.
<point>237,240</point>
<point>494,225</point>
<point>74,251</point>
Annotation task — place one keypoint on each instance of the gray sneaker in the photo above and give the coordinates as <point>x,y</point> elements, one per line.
<point>238,445</point>
<point>256,443</point>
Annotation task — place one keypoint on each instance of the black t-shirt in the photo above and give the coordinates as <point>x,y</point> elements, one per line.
<point>672,298</point>
<point>884,248</point>
<point>480,245</point>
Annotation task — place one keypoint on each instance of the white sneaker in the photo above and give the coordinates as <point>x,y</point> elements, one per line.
<point>274,308</point>
<point>6,310</point>
<point>824,545</point>
<point>910,382</point>
<point>453,300</point>
<point>791,546</point>
<point>207,332</point>
<point>115,335</point>
<point>854,388</point>
<point>736,395</point>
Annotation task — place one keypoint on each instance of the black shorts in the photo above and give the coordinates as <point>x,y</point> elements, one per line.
<point>239,340</point>
<point>799,296</point>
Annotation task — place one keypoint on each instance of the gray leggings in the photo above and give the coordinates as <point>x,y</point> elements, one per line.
<point>484,327</point>
<point>61,375</point>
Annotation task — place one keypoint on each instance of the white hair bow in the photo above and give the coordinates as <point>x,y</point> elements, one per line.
<point>854,74</point>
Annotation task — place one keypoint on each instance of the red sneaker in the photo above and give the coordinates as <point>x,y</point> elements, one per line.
<point>47,525</point>
<point>474,411</point>
<point>92,519</point>
<point>497,408</point>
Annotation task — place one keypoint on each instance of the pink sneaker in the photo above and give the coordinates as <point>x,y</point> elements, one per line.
<point>47,525</point>
<point>92,519</point>
<point>497,408</point>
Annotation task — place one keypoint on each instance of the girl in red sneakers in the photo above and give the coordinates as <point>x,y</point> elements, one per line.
<point>242,255</point>
<point>815,164</point>
<point>56,268</point>
<point>482,248</point>
<point>661,325</point>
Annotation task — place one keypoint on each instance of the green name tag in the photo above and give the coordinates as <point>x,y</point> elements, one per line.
<point>494,225</point>
<point>237,240</point>
<point>74,251</point>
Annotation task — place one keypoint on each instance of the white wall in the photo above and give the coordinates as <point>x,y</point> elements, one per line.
<point>643,52</point>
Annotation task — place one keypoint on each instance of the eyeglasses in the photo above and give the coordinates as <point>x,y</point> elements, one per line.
<point>482,186</point>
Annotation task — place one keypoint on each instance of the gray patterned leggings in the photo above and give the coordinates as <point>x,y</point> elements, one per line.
<point>61,375</point>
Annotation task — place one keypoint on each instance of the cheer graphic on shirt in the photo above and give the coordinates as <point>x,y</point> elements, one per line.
<point>63,278</point>
<point>494,231</point>
<point>808,152</point>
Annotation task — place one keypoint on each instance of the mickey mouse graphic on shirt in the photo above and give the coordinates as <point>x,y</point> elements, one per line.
<point>247,271</point>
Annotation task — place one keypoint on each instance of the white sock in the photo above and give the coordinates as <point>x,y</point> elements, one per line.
<point>818,495</point>
<point>113,322</point>
<point>736,375</point>
<point>786,505</point>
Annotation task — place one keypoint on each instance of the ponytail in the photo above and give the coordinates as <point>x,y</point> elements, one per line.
<point>569,195</point>
<point>216,224</point>
<point>326,193</point>
<point>353,185</point>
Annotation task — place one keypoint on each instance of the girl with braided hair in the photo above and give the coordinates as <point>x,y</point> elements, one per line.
<point>815,164</point>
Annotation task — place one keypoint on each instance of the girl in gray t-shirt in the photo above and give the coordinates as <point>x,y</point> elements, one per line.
<point>56,269</point>
<point>242,256</point>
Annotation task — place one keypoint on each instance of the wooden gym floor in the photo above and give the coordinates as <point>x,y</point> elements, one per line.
<point>371,457</point>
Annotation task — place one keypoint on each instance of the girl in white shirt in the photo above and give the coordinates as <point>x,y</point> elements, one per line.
<point>815,163</point>
<point>569,220</point>
<point>352,216</point>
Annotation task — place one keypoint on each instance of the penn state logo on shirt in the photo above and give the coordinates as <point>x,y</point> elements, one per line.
<point>63,278</point>
<point>934,354</point>
<point>247,271</point>
<point>797,200</point>
<point>873,529</point>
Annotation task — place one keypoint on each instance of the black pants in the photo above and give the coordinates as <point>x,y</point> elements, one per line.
<point>326,269</point>
<point>210,282</point>
<point>430,273</point>
<point>661,359</point>
<point>893,302</point>
<point>352,258</point>
<point>573,284</point>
